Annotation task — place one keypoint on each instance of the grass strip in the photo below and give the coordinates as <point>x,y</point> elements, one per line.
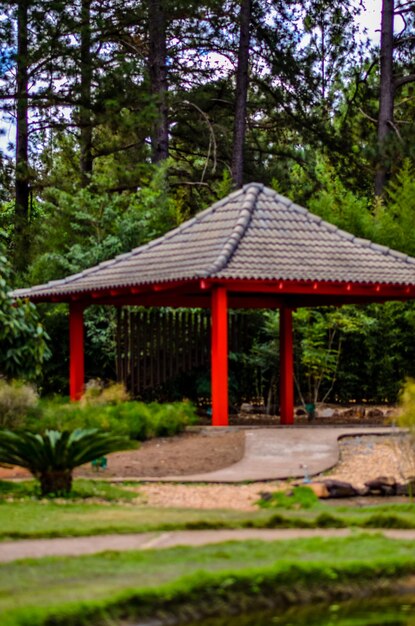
<point>208,593</point>
<point>83,489</point>
<point>99,507</point>
<point>47,519</point>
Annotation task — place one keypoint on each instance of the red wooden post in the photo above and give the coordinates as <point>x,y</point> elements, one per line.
<point>219,356</point>
<point>76,351</point>
<point>286,367</point>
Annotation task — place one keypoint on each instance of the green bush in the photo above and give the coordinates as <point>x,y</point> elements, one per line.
<point>327,520</point>
<point>98,394</point>
<point>382,520</point>
<point>16,398</point>
<point>136,420</point>
<point>301,497</point>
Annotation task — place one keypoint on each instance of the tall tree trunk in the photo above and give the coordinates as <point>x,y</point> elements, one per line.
<point>85,121</point>
<point>158,78</point>
<point>386,92</point>
<point>242,81</point>
<point>21,221</point>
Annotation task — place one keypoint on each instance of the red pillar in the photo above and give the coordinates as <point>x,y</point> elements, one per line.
<point>286,367</point>
<point>219,356</point>
<point>76,351</point>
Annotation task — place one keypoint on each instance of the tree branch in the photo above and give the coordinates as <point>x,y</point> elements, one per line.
<point>403,80</point>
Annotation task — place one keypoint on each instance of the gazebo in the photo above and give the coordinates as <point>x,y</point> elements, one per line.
<point>253,249</point>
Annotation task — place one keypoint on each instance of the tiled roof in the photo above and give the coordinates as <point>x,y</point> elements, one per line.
<point>254,233</point>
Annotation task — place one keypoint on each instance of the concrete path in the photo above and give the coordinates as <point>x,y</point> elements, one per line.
<point>76,546</point>
<point>279,453</point>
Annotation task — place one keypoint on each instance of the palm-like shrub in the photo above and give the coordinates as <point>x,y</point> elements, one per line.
<point>52,456</point>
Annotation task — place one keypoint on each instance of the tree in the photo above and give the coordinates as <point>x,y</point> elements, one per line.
<point>157,62</point>
<point>86,70</point>
<point>30,30</point>
<point>21,232</point>
<point>322,333</point>
<point>391,79</point>
<point>52,457</point>
<point>23,345</point>
<point>386,95</point>
<point>241,94</point>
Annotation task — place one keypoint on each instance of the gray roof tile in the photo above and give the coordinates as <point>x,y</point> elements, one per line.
<point>252,233</point>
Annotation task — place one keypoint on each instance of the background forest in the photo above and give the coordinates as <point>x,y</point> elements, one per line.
<point>131,116</point>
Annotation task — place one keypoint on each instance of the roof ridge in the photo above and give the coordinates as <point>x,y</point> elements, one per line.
<point>251,192</point>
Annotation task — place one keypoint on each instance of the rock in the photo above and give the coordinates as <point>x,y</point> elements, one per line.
<point>319,489</point>
<point>382,485</point>
<point>266,496</point>
<point>327,412</point>
<point>375,413</point>
<point>407,489</point>
<point>386,480</point>
<point>340,489</point>
<point>402,489</point>
<point>247,408</point>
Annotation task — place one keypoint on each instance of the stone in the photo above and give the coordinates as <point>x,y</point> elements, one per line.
<point>405,489</point>
<point>340,489</point>
<point>247,408</point>
<point>326,412</point>
<point>382,485</point>
<point>375,413</point>
<point>401,489</point>
<point>266,496</point>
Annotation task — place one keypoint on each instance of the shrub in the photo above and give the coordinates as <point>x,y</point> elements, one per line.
<point>136,420</point>
<point>51,457</point>
<point>406,419</point>
<point>327,520</point>
<point>301,497</point>
<point>97,394</point>
<point>16,398</point>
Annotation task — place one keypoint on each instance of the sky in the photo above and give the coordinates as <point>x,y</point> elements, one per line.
<point>370,20</point>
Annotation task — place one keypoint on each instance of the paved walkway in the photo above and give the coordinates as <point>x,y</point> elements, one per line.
<point>76,546</point>
<point>275,454</point>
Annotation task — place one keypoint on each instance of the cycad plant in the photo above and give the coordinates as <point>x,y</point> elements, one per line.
<point>52,456</point>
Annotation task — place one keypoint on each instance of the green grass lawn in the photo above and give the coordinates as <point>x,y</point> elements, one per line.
<point>81,590</point>
<point>66,519</point>
<point>101,508</point>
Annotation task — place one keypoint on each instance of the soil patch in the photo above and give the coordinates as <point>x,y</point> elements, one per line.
<point>189,453</point>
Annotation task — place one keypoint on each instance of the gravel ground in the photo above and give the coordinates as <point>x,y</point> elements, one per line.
<point>362,458</point>
<point>215,496</point>
<point>367,457</point>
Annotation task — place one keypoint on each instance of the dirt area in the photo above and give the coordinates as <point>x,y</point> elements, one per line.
<point>189,453</point>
